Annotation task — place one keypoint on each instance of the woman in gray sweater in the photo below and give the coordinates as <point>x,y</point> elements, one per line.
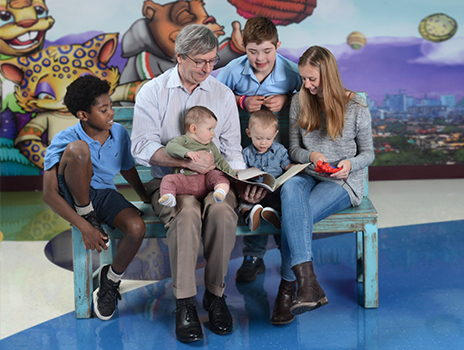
<point>330,124</point>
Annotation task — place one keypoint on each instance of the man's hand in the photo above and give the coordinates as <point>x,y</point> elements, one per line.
<point>204,163</point>
<point>252,194</point>
<point>275,102</point>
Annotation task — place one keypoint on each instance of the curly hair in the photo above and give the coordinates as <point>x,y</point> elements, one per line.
<point>83,92</point>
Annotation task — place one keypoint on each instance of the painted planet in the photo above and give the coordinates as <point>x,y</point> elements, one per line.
<point>356,40</point>
<point>438,27</point>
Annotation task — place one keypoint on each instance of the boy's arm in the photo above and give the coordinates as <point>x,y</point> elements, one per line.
<point>90,235</point>
<point>132,177</point>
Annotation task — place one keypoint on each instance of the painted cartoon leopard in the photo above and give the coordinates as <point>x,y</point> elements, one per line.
<point>42,79</point>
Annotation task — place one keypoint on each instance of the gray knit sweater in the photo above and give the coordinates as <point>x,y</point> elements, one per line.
<point>356,145</point>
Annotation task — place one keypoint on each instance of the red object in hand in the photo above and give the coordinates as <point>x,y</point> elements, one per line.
<point>324,167</point>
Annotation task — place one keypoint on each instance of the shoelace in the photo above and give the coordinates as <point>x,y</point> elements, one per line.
<point>218,302</point>
<point>107,295</point>
<point>190,314</point>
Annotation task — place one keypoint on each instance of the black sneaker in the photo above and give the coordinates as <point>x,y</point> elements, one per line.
<point>93,220</point>
<point>251,267</point>
<point>105,297</point>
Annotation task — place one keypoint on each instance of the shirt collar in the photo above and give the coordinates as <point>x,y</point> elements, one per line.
<point>175,82</point>
<point>277,74</point>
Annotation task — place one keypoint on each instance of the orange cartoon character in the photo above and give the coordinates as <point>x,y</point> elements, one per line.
<point>42,79</point>
<point>149,42</point>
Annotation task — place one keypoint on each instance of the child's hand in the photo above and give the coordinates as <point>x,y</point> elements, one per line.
<point>275,102</point>
<point>193,156</point>
<point>93,239</point>
<point>144,198</point>
<point>253,103</point>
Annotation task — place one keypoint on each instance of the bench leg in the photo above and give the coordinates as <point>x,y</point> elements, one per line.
<point>360,256</point>
<point>106,256</point>
<point>371,269</point>
<point>83,285</point>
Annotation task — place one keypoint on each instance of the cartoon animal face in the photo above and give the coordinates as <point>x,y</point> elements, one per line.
<point>166,21</point>
<point>23,24</point>
<point>42,78</point>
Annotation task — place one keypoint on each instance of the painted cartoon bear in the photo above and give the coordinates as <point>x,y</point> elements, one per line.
<point>149,42</point>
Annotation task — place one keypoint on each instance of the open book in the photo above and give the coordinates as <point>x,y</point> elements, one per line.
<point>254,176</point>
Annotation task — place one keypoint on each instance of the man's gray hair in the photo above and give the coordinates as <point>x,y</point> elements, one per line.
<point>195,39</point>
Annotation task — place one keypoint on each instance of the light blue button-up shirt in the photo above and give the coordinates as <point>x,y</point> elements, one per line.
<point>272,162</point>
<point>239,77</point>
<point>107,159</point>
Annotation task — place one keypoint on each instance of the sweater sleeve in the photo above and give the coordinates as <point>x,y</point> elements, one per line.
<point>297,151</point>
<point>364,142</point>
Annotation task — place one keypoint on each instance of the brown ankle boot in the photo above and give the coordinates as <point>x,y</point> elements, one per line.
<point>310,295</point>
<point>285,299</point>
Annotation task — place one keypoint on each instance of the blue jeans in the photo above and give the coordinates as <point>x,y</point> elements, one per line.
<point>305,201</point>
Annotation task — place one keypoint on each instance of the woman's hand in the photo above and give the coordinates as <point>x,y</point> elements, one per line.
<point>346,168</point>
<point>314,157</point>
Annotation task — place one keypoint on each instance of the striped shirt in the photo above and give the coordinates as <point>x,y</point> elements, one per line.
<point>159,114</point>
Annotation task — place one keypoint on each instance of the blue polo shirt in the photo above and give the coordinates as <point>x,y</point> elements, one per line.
<point>273,161</point>
<point>238,75</point>
<point>107,159</point>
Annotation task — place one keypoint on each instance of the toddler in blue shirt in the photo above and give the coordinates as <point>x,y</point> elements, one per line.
<point>272,157</point>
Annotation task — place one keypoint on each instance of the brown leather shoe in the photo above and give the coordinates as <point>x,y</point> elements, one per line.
<point>284,301</point>
<point>310,295</point>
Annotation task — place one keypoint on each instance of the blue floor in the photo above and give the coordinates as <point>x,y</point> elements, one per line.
<point>421,279</point>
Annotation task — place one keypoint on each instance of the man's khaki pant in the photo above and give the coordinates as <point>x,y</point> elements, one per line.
<point>185,224</point>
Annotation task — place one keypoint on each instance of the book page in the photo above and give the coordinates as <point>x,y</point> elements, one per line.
<point>290,173</point>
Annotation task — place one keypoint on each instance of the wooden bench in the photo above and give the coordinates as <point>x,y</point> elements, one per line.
<point>361,219</point>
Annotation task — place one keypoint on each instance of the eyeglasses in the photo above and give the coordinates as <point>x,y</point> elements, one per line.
<point>202,63</point>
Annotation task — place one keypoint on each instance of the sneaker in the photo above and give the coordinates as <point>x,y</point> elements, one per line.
<point>93,220</point>
<point>251,267</point>
<point>253,217</point>
<point>105,297</point>
<point>271,215</point>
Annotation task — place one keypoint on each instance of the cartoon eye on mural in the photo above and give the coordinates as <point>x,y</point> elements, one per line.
<point>281,12</point>
<point>356,40</point>
<point>23,24</point>
<point>438,27</point>
<point>42,79</point>
<point>149,42</point>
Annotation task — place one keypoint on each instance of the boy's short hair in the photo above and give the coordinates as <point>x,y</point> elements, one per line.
<point>263,118</point>
<point>83,92</point>
<point>260,29</point>
<point>197,115</point>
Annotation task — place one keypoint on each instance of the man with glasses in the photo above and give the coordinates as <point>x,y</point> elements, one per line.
<point>159,114</point>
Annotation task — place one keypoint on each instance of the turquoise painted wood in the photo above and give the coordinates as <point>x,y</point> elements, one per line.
<point>361,219</point>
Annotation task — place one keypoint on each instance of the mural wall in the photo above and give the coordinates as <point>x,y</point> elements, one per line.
<point>407,55</point>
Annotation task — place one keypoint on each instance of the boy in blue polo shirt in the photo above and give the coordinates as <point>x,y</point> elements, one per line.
<point>260,79</point>
<point>80,165</point>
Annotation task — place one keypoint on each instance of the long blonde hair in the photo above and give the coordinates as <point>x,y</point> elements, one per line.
<point>333,92</point>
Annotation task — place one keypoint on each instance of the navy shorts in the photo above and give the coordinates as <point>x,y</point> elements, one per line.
<point>107,202</point>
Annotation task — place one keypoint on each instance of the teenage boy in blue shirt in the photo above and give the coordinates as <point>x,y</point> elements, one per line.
<point>260,79</point>
<point>80,165</point>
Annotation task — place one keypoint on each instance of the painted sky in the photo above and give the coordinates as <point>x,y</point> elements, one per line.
<point>330,23</point>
